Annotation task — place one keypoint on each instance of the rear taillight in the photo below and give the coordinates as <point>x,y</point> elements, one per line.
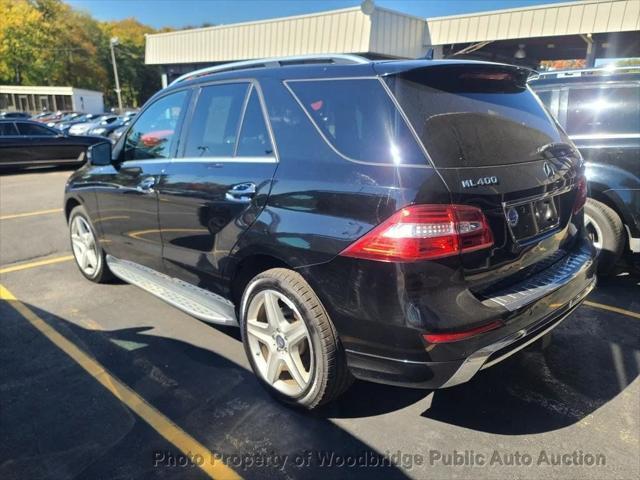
<point>581,195</point>
<point>424,232</point>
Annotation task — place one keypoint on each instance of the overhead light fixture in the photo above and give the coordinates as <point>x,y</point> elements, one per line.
<point>520,53</point>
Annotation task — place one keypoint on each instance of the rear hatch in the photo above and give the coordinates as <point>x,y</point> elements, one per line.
<point>497,148</point>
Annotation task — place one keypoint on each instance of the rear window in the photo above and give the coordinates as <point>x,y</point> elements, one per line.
<point>603,110</point>
<point>359,119</point>
<point>469,118</point>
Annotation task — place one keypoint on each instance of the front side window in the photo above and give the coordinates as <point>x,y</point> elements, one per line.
<point>35,130</point>
<point>154,132</point>
<point>603,110</point>
<point>359,120</point>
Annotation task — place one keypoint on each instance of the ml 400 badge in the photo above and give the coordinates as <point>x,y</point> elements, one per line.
<point>470,183</point>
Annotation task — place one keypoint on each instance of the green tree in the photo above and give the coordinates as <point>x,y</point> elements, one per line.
<point>47,42</point>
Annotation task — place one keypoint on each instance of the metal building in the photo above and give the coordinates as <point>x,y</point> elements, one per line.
<point>38,99</point>
<point>575,30</point>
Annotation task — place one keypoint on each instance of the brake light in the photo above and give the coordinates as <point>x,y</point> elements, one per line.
<point>424,232</point>
<point>581,196</point>
<point>456,336</point>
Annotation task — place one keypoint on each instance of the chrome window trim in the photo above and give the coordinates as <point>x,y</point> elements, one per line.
<point>225,159</point>
<point>329,143</point>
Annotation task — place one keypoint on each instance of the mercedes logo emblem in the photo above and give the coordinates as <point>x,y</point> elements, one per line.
<point>513,217</point>
<point>548,169</point>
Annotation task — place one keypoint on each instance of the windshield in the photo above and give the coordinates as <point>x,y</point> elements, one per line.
<point>474,117</point>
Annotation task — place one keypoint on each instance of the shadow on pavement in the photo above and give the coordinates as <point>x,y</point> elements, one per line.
<point>54,412</point>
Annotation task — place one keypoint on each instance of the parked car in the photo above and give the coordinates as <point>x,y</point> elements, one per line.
<point>51,117</point>
<point>82,128</point>
<point>40,115</point>
<point>14,115</point>
<point>600,110</point>
<point>117,133</point>
<point>404,222</point>
<point>103,129</point>
<point>68,117</point>
<point>65,125</point>
<point>25,143</point>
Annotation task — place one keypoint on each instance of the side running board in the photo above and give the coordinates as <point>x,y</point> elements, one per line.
<point>193,300</point>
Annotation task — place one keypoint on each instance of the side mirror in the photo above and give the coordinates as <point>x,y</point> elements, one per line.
<point>99,154</point>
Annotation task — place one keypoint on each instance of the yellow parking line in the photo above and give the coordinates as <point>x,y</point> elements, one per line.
<point>37,263</point>
<point>622,311</point>
<point>213,467</point>
<point>30,214</point>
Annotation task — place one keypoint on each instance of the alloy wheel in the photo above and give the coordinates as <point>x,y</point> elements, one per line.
<point>594,231</point>
<point>84,246</point>
<point>279,342</point>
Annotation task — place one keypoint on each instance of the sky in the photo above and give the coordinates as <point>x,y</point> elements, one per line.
<point>180,13</point>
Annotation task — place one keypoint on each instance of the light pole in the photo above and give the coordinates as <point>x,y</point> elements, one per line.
<point>112,43</point>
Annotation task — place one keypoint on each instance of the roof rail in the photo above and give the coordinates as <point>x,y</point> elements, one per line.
<point>587,72</point>
<point>274,62</point>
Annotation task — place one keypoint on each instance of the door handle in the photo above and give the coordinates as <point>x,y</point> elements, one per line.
<point>146,185</point>
<point>241,193</point>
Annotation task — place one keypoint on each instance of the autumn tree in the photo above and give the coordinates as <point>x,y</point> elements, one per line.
<point>46,42</point>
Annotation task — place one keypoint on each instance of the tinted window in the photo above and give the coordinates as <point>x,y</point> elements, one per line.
<point>8,128</point>
<point>153,133</point>
<point>359,119</point>
<point>254,138</point>
<point>32,129</point>
<point>214,127</point>
<point>603,110</point>
<point>468,118</point>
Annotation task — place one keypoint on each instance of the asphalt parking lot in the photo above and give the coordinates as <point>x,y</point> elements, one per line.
<point>105,382</point>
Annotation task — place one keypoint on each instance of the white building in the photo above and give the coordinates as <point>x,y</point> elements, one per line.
<point>586,29</point>
<point>38,99</point>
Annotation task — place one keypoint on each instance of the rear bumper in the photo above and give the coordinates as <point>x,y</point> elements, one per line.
<point>431,375</point>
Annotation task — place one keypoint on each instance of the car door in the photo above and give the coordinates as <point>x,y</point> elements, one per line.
<point>217,186</point>
<point>46,145</point>
<point>13,148</point>
<point>127,191</point>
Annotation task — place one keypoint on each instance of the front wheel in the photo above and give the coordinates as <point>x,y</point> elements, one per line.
<point>290,341</point>
<point>88,254</point>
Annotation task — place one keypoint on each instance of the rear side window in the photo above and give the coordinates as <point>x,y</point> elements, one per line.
<point>214,127</point>
<point>35,130</point>
<point>7,129</point>
<point>359,119</point>
<point>254,137</point>
<point>604,110</point>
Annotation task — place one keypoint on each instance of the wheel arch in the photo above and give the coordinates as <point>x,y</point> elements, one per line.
<point>69,205</point>
<point>247,268</point>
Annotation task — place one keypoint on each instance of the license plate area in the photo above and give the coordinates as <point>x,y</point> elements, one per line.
<point>532,218</point>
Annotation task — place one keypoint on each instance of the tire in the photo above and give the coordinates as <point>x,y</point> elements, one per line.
<point>99,271</point>
<point>607,232</point>
<point>319,358</point>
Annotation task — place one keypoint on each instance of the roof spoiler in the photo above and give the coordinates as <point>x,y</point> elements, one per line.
<point>450,73</point>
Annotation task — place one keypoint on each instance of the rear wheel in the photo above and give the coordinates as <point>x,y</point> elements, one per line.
<point>290,341</point>
<point>89,256</point>
<point>605,229</point>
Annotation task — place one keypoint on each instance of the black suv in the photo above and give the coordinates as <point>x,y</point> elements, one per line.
<point>600,110</point>
<point>405,222</point>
